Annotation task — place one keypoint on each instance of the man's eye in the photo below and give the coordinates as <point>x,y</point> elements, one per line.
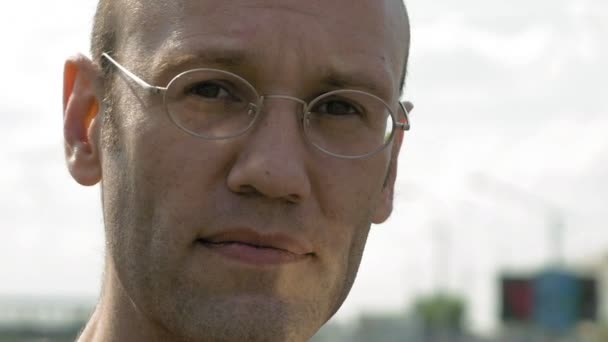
<point>209,90</point>
<point>336,107</point>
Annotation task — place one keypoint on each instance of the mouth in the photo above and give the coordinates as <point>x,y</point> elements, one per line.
<point>248,247</point>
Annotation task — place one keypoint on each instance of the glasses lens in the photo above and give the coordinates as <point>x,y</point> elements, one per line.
<point>349,123</point>
<point>211,103</point>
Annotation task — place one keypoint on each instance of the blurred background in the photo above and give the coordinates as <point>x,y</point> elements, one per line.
<point>499,231</point>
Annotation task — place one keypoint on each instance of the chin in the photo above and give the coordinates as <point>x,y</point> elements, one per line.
<point>249,318</point>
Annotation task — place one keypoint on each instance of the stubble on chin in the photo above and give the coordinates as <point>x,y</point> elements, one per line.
<point>229,318</point>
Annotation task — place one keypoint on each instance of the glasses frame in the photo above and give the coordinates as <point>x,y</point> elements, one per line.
<point>157,90</point>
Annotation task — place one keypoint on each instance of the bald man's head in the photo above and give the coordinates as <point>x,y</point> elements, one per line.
<point>112,16</point>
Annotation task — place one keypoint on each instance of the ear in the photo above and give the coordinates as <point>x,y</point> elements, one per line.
<point>385,205</point>
<point>81,107</point>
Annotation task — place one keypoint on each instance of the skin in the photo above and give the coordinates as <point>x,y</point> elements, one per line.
<point>162,189</point>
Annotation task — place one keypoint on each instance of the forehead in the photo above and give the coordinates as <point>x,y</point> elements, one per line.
<point>368,33</point>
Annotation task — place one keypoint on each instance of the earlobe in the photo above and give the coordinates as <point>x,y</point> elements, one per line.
<point>81,106</point>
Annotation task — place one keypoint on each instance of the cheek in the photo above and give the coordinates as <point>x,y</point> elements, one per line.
<point>349,190</point>
<point>151,203</point>
<point>347,196</point>
<point>341,261</point>
<point>354,255</point>
<point>172,177</point>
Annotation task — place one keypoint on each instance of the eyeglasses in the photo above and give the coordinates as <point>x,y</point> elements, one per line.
<point>215,104</point>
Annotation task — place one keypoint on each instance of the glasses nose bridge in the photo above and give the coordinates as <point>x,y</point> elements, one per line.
<point>303,103</point>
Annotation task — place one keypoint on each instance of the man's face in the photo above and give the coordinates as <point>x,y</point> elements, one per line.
<point>257,237</point>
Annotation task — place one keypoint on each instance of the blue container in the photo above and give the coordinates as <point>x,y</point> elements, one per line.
<point>556,295</point>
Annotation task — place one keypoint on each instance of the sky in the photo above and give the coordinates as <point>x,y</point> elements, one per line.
<point>509,126</point>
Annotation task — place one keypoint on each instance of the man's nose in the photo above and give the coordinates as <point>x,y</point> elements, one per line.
<point>272,161</point>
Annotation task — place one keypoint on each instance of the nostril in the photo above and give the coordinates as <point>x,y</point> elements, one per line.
<point>293,199</point>
<point>248,190</point>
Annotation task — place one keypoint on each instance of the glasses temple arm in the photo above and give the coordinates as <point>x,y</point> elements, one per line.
<point>132,76</point>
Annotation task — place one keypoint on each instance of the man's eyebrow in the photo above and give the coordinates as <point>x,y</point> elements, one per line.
<point>173,63</point>
<point>374,85</point>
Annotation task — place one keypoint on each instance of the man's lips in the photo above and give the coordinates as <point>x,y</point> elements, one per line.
<point>248,246</point>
